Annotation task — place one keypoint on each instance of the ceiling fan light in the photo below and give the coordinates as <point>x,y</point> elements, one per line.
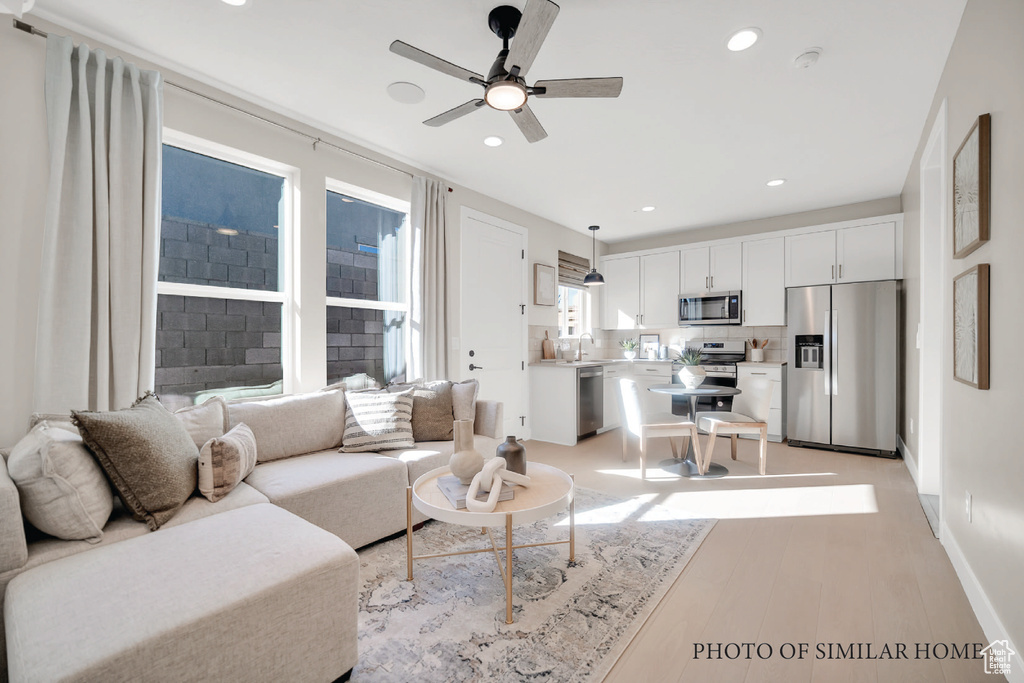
<point>505,95</point>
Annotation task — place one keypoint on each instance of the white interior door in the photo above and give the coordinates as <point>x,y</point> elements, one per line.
<point>493,345</point>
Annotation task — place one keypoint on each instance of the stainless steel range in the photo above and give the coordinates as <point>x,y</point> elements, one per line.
<point>719,362</point>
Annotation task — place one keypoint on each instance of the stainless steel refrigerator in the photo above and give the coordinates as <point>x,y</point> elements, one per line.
<point>843,372</point>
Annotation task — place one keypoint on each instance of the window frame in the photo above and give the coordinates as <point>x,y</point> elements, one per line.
<point>288,228</point>
<point>585,312</point>
<point>387,202</point>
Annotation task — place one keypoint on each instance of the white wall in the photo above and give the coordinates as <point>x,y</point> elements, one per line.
<point>23,179</point>
<point>983,453</point>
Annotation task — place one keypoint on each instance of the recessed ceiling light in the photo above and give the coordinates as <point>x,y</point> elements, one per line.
<point>743,39</point>
<point>406,93</point>
<point>229,231</point>
<point>647,209</point>
<point>493,141</point>
<point>234,3</point>
<point>776,182</point>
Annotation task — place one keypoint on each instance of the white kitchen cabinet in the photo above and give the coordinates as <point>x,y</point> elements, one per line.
<point>764,282</point>
<point>696,270</point>
<point>726,267</point>
<point>811,259</point>
<point>612,373</point>
<point>647,375</point>
<point>866,252</point>
<point>621,293</point>
<point>659,285</point>
<point>775,373</point>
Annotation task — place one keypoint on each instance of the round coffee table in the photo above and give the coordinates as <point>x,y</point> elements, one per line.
<point>687,467</point>
<point>550,491</point>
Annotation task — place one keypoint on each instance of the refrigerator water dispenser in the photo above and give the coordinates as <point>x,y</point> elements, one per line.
<point>810,351</point>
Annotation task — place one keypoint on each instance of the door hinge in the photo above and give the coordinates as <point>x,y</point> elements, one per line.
<point>523,363</point>
<point>523,257</point>
<point>522,309</point>
<point>522,420</point>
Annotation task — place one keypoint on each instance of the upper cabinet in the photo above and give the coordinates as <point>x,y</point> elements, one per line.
<point>641,291</point>
<point>764,282</point>
<point>717,268</point>
<point>855,254</point>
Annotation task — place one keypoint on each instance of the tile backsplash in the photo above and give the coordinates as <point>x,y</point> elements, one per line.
<point>678,337</point>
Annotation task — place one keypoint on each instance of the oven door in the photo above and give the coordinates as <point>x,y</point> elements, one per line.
<point>721,308</point>
<point>681,404</point>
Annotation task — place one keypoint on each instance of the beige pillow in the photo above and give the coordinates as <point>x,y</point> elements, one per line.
<point>58,420</point>
<point>377,421</point>
<point>292,425</point>
<point>432,413</point>
<point>148,455</point>
<point>62,488</point>
<point>226,460</point>
<point>206,420</point>
<point>464,399</point>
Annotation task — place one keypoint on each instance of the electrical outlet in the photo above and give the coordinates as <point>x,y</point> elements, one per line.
<point>911,425</point>
<point>968,506</point>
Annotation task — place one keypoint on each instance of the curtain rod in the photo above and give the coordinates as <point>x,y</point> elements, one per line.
<point>28,28</point>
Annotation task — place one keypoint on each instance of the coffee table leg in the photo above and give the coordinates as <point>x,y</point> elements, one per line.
<point>572,521</point>
<point>508,568</point>
<point>408,529</point>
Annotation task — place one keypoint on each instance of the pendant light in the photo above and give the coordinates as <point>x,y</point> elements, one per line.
<point>594,278</point>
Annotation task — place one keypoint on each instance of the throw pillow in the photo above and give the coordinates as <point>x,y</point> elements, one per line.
<point>205,421</point>
<point>432,412</point>
<point>148,455</point>
<point>293,425</point>
<point>62,489</point>
<point>58,420</point>
<point>377,421</point>
<point>464,399</point>
<point>224,461</point>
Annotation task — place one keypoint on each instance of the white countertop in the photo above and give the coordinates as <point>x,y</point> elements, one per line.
<point>591,362</point>
<point>764,364</point>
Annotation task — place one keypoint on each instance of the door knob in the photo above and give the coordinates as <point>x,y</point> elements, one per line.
<point>475,367</point>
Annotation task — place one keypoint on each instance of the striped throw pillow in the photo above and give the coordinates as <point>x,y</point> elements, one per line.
<point>377,421</point>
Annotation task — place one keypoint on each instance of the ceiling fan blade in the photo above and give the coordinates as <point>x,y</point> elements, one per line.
<point>529,124</point>
<point>579,87</point>
<point>436,63</point>
<point>455,113</point>
<point>533,28</point>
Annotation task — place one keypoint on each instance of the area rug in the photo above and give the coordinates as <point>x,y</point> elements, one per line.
<point>571,622</point>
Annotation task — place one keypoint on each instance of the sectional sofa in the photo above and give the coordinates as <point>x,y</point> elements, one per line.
<point>261,585</point>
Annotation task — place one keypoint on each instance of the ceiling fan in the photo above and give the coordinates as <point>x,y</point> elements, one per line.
<point>505,87</point>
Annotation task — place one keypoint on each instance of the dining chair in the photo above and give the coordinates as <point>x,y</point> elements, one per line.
<point>749,415</point>
<point>644,425</point>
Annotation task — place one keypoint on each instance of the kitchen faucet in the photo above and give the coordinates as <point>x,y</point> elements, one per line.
<point>579,349</point>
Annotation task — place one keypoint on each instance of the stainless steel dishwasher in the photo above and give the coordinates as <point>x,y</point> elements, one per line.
<point>590,400</point>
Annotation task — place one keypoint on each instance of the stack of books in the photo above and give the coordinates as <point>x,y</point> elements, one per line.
<point>456,492</point>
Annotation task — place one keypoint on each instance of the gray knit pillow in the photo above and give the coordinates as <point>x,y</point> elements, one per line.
<point>432,412</point>
<point>148,455</point>
<point>377,421</point>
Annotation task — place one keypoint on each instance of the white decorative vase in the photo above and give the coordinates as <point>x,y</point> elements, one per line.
<point>692,376</point>
<point>630,355</point>
<point>466,461</point>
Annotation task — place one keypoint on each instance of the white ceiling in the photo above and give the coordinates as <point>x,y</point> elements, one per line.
<point>696,132</point>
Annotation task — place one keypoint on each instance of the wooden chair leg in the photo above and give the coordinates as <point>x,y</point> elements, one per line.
<point>684,445</point>
<point>625,441</point>
<point>643,455</point>
<point>692,439</point>
<point>764,449</point>
<point>709,449</point>
<point>735,439</point>
<point>675,451</point>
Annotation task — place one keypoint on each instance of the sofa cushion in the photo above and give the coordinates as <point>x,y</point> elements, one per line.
<point>205,421</point>
<point>225,461</point>
<point>432,412</point>
<point>377,420</point>
<point>148,455</point>
<point>291,425</point>
<point>464,399</point>
<point>62,488</point>
<point>360,497</point>
<point>254,594</point>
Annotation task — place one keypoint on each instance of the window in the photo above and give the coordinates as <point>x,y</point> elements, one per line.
<point>221,301</point>
<point>573,311</point>
<point>367,279</point>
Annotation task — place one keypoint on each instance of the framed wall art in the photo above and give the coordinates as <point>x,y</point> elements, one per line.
<point>543,284</point>
<point>649,342</point>
<point>971,168</point>
<point>970,327</point>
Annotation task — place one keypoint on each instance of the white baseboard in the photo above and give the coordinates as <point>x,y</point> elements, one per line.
<point>987,617</point>
<point>908,460</point>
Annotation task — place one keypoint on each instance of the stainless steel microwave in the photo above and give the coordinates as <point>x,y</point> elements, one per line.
<point>712,308</point>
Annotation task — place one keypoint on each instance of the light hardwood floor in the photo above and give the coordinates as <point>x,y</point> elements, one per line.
<point>827,548</point>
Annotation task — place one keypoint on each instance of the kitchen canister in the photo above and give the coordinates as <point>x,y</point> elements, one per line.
<point>514,454</point>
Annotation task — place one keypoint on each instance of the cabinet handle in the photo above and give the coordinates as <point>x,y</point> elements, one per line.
<point>833,272</point>
<point>712,282</point>
<point>840,271</point>
<point>706,286</point>
<point>744,315</point>
<point>759,373</point>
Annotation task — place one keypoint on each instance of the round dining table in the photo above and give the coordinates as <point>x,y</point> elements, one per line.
<point>687,466</point>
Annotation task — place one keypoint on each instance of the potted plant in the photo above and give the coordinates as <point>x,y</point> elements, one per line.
<point>691,374</point>
<point>629,348</point>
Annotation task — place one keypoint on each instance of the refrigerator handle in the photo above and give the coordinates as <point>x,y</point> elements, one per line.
<point>827,352</point>
<point>835,352</point>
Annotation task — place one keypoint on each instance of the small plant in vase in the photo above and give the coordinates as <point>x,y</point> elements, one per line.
<point>691,374</point>
<point>629,347</point>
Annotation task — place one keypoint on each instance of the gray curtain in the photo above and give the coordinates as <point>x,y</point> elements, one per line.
<point>96,334</point>
<point>429,287</point>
